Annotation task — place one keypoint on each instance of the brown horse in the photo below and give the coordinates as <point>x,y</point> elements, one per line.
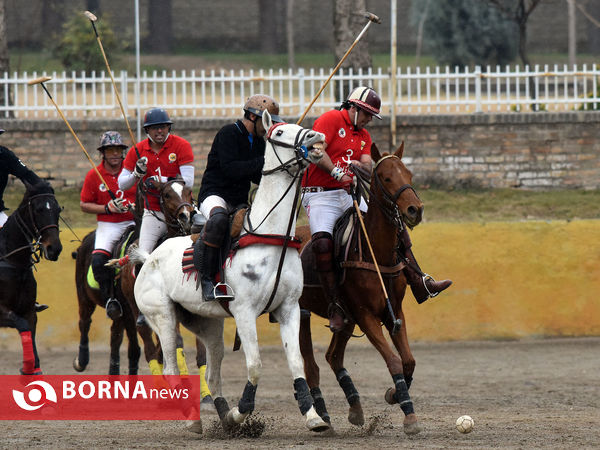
<point>393,204</point>
<point>175,200</point>
<point>29,233</point>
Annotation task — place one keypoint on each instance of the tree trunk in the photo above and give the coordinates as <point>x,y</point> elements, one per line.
<point>348,21</point>
<point>4,56</point>
<point>160,24</point>
<point>289,28</point>
<point>572,33</point>
<point>272,16</point>
<point>593,30</point>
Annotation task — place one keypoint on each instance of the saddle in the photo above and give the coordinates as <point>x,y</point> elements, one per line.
<point>190,261</point>
<point>119,251</point>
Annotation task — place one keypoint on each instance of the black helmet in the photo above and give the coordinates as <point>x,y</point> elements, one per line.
<point>366,99</point>
<point>156,116</point>
<point>259,102</point>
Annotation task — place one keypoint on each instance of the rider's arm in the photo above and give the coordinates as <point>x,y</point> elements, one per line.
<point>127,179</point>
<point>187,172</point>
<point>15,167</point>
<point>92,208</point>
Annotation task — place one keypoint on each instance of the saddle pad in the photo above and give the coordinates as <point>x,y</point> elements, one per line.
<point>91,281</point>
<point>187,262</point>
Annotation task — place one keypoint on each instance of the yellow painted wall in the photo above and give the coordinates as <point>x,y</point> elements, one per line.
<point>511,280</point>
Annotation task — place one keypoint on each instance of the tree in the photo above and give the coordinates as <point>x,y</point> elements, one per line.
<point>160,27</point>
<point>518,11</point>
<point>348,21</point>
<point>289,28</point>
<point>4,57</point>
<point>464,32</point>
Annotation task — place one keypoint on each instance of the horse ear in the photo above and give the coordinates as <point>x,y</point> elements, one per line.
<point>400,150</point>
<point>266,120</point>
<point>375,155</point>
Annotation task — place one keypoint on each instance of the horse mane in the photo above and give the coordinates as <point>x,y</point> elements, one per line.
<point>41,187</point>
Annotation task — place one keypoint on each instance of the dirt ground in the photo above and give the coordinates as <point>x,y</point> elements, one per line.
<point>535,393</point>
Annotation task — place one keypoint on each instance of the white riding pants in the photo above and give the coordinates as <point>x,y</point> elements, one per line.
<point>324,208</point>
<point>210,202</point>
<point>108,233</point>
<point>152,229</point>
<point>3,218</point>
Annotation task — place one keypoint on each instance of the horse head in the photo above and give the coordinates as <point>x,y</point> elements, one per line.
<point>391,184</point>
<point>38,216</point>
<point>175,203</point>
<point>294,147</point>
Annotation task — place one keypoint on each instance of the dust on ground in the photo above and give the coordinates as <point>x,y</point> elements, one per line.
<point>535,393</point>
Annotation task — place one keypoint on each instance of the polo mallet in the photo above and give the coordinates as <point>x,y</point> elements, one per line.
<point>93,19</point>
<point>397,322</point>
<point>371,18</point>
<point>41,81</point>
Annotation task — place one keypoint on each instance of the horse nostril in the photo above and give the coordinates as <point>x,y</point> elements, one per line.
<point>412,211</point>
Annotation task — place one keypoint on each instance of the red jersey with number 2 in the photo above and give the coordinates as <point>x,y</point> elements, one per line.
<point>174,153</point>
<point>344,143</point>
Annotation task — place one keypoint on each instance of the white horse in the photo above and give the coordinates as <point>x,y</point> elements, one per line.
<point>258,276</point>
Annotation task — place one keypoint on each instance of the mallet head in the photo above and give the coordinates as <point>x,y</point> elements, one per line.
<point>372,17</point>
<point>90,16</point>
<point>39,80</point>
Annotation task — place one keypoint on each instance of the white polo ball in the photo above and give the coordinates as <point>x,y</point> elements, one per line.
<point>465,424</point>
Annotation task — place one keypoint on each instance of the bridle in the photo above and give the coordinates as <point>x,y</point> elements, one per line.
<point>30,229</point>
<point>388,203</point>
<point>170,219</point>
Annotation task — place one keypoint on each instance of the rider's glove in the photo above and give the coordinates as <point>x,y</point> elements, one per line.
<point>116,206</point>
<point>141,167</point>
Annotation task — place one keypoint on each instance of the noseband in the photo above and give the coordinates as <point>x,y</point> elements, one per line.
<point>173,222</point>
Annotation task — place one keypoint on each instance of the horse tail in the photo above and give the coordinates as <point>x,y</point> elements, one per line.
<point>137,255</point>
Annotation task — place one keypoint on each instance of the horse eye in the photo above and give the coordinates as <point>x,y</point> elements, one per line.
<point>167,195</point>
<point>387,179</point>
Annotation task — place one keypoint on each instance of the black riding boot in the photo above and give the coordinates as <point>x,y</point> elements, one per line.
<point>210,267</point>
<point>323,250</point>
<point>422,285</point>
<point>104,277</point>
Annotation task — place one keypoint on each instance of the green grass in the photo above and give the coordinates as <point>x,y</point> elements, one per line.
<point>440,205</point>
<point>27,60</point>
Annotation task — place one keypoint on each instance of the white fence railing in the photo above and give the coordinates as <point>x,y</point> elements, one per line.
<point>221,93</point>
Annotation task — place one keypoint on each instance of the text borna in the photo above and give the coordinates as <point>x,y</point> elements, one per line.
<point>118,389</point>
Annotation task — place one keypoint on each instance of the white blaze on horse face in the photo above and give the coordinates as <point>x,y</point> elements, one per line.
<point>178,188</point>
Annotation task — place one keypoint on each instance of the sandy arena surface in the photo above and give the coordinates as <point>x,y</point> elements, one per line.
<point>535,393</point>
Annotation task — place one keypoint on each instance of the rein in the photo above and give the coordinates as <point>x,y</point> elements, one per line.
<point>170,219</point>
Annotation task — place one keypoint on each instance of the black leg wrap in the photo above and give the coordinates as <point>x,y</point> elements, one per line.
<point>401,395</point>
<point>222,407</point>
<point>84,355</point>
<point>305,401</point>
<point>114,368</point>
<point>319,402</point>
<point>347,385</point>
<point>246,403</point>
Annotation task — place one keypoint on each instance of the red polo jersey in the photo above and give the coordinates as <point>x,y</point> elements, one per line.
<point>344,143</point>
<point>94,191</point>
<point>174,153</point>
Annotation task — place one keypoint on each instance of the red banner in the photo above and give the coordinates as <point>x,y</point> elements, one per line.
<point>95,397</point>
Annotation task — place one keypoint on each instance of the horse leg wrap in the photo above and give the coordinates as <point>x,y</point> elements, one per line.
<point>319,402</point>
<point>246,403</point>
<point>302,394</point>
<point>204,390</point>
<point>114,367</point>
<point>222,407</point>
<point>347,385</point>
<point>84,355</point>
<point>401,395</point>
<point>181,364</point>
<point>28,355</point>
<point>155,367</point>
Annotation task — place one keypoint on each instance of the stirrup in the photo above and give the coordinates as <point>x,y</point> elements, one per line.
<point>427,277</point>
<point>219,295</point>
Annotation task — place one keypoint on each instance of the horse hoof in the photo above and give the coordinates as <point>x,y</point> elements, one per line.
<point>315,423</point>
<point>389,396</point>
<point>207,404</point>
<point>77,366</point>
<point>195,426</point>
<point>355,415</point>
<point>411,425</point>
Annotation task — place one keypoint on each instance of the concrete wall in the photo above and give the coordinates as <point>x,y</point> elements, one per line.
<point>525,150</point>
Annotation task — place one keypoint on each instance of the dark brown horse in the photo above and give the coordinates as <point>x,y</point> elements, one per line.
<point>393,204</point>
<point>29,233</point>
<point>175,200</point>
